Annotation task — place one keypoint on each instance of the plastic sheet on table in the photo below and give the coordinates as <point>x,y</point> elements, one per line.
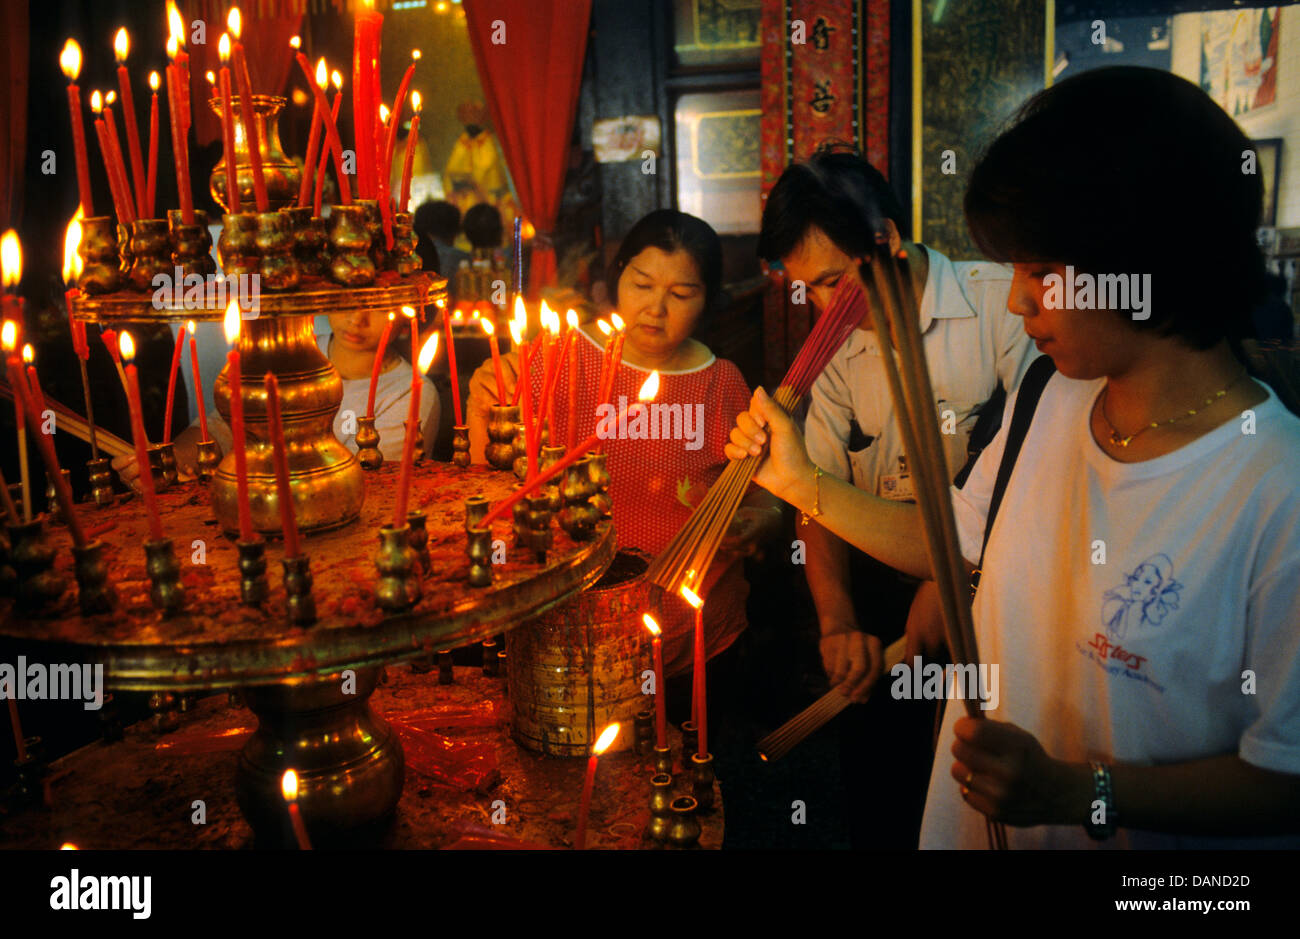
<point>481,715</point>
<point>470,767</point>
<point>195,743</point>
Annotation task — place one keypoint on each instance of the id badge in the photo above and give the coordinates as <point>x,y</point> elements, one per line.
<point>897,487</point>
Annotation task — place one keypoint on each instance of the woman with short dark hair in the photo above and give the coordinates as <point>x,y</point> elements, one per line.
<point>1141,583</point>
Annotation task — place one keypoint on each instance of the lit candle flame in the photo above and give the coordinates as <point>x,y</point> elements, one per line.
<point>521,314</point>
<point>550,319</point>
<point>172,48</point>
<point>322,73</point>
<point>234,22</point>
<point>189,325</point>
<point>650,624</point>
<point>571,317</point>
<point>211,76</point>
<point>527,231</point>
<point>96,102</point>
<point>383,114</point>
<point>231,324</point>
<point>223,47</point>
<point>11,259</point>
<point>289,786</point>
<point>427,352</point>
<point>416,102</point>
<point>126,345</point>
<point>68,846</point>
<point>691,597</point>
<point>72,264</point>
<point>408,312</point>
<point>606,739</point>
<point>336,79</point>
<point>415,54</point>
<point>29,354</point>
<point>9,336</point>
<point>153,81</point>
<point>649,388</point>
<point>295,42</point>
<point>617,321</point>
<point>175,25</point>
<point>517,332</point>
<point>110,98</point>
<point>121,45</point>
<point>70,60</point>
<point>605,327</point>
<point>487,325</point>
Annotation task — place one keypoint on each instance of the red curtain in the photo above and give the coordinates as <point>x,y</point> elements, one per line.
<point>13,109</point>
<point>529,59</point>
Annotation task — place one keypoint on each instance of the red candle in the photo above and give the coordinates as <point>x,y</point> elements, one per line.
<point>451,363</point>
<point>313,138</point>
<point>121,47</point>
<point>661,709</point>
<point>408,162</point>
<point>551,355</point>
<point>31,402</point>
<point>390,146</point>
<point>152,186</point>
<point>604,360</point>
<point>331,132</point>
<point>20,745</point>
<point>248,114</point>
<point>171,383</point>
<point>649,389</point>
<point>365,96</point>
<point>70,62</point>
<point>228,128</point>
<point>606,739</point>
<point>9,341</point>
<point>570,340</point>
<point>198,381</point>
<point>237,422</point>
<point>491,332</point>
<point>284,495</point>
<point>119,164</point>
<point>699,706</point>
<point>289,788</point>
<point>120,206</point>
<point>423,361</point>
<point>180,154</point>
<point>379,361</point>
<point>517,333</point>
<point>33,383</point>
<point>337,80</point>
<point>141,442</point>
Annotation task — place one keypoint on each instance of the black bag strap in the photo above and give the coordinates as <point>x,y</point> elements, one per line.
<point>1031,389</point>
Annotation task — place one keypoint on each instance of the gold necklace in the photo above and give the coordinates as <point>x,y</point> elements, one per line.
<point>1121,441</point>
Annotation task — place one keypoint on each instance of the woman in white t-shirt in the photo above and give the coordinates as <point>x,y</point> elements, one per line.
<point>1141,585</point>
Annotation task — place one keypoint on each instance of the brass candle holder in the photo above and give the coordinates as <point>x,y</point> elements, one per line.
<point>349,242</point>
<point>460,445</point>
<point>368,444</point>
<point>502,421</point>
<point>398,586</point>
<point>643,743</point>
<point>419,538</point>
<point>33,562</point>
<point>404,259</point>
<point>684,830</point>
<point>237,245</point>
<point>549,457</point>
<point>600,478</point>
<point>519,518</point>
<point>490,658</point>
<point>101,270</point>
<point>167,591</point>
<point>379,253</point>
<point>520,464</point>
<point>151,252</point>
<point>309,240</point>
<point>54,510</point>
<point>702,780</point>
<point>578,517</point>
<point>479,546</point>
<point>299,602</point>
<point>661,808</point>
<point>417,444</point>
<point>445,674</point>
<point>162,464</point>
<point>94,593</point>
<point>191,244</point>
<point>663,760</point>
<point>209,458</point>
<point>253,587</point>
<point>501,670</point>
<point>539,526</point>
<point>101,481</point>
<point>164,712</point>
<point>275,243</point>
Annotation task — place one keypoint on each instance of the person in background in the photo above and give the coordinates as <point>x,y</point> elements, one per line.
<point>815,222</point>
<point>667,277</point>
<point>350,345</point>
<point>439,221</point>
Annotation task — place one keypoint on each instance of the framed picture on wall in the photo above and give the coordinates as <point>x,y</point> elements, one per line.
<point>1268,163</point>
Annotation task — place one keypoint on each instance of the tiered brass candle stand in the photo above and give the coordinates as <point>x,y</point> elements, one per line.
<point>101,481</point>
<point>368,444</point>
<point>521,528</point>
<point>209,458</point>
<point>398,586</point>
<point>502,421</point>
<point>404,259</point>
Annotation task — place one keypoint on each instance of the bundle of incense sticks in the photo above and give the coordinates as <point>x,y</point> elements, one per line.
<point>73,423</point>
<point>892,307</point>
<point>815,716</point>
<point>686,559</point>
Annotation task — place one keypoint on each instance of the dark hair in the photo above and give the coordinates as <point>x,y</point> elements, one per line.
<point>670,230</point>
<point>1129,170</point>
<point>483,226</point>
<point>440,220</point>
<point>840,193</point>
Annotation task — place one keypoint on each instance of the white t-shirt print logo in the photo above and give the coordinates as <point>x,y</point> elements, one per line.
<point>1148,595</point>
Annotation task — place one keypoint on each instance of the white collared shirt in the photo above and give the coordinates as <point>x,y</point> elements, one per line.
<point>972,343</point>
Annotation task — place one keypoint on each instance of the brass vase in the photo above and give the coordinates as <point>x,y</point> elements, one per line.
<point>661,808</point>
<point>101,270</point>
<point>237,245</point>
<point>191,244</point>
<point>349,240</point>
<point>502,422</point>
<point>150,252</point>
<point>282,175</point>
<point>275,244</point>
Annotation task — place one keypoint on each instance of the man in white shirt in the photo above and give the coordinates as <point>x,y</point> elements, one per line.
<point>819,216</point>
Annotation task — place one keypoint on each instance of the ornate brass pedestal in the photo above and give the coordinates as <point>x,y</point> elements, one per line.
<point>348,760</point>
